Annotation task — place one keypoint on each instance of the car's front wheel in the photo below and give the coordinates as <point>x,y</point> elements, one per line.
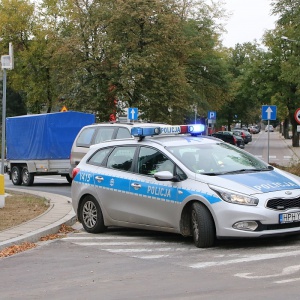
<point>203,226</point>
<point>91,215</point>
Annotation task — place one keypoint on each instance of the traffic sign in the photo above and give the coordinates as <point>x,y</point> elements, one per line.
<point>64,109</point>
<point>212,115</point>
<point>269,112</point>
<point>132,113</point>
<point>297,115</point>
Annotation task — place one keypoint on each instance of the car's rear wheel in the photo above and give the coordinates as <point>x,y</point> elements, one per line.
<point>203,226</point>
<point>91,215</point>
<point>16,175</point>
<point>27,178</point>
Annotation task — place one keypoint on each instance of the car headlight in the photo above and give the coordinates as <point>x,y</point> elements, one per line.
<point>235,198</point>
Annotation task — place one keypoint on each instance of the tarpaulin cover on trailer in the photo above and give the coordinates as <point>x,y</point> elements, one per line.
<point>44,136</point>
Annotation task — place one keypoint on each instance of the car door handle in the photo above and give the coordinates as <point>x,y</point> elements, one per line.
<point>136,186</point>
<point>99,178</point>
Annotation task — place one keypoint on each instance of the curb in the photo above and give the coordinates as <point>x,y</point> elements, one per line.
<point>59,213</point>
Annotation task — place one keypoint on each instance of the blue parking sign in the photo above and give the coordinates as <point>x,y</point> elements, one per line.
<point>212,115</point>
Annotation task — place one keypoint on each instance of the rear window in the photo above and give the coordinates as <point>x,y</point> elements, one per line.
<point>123,133</point>
<point>85,137</point>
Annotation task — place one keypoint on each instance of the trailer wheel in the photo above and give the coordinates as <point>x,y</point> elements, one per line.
<point>16,175</point>
<point>27,178</point>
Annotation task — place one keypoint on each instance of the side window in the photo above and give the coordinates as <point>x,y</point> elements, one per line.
<point>99,156</point>
<point>123,133</point>
<point>121,158</point>
<point>180,174</point>
<point>151,161</point>
<point>104,134</point>
<point>85,137</point>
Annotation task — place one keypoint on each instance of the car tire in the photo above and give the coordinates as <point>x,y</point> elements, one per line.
<point>16,177</point>
<point>203,227</point>
<point>91,215</point>
<point>27,178</point>
<point>69,178</point>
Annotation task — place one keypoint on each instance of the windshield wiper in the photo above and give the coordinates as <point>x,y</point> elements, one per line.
<point>247,171</point>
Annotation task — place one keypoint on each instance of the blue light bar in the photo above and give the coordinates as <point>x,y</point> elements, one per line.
<point>196,128</point>
<point>147,131</point>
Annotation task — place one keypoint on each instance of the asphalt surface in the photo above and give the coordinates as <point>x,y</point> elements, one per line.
<point>60,212</point>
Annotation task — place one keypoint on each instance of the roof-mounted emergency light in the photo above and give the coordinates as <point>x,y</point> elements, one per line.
<point>194,129</point>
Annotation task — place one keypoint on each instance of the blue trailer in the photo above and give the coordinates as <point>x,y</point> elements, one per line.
<point>41,144</point>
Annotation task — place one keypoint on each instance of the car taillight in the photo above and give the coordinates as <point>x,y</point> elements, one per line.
<point>234,140</point>
<point>75,172</point>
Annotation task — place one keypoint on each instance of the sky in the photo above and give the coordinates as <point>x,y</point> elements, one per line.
<point>249,20</point>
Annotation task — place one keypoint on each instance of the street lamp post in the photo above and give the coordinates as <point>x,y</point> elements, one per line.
<point>7,63</point>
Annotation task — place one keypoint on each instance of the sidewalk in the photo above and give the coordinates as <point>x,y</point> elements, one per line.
<point>59,212</point>
<point>289,143</point>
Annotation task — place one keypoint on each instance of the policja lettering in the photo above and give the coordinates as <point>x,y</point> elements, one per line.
<point>159,191</point>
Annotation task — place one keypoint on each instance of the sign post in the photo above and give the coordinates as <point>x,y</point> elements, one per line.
<point>7,62</point>
<point>211,120</point>
<point>268,113</point>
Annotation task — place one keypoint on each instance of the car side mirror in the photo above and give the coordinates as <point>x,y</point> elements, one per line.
<point>165,176</point>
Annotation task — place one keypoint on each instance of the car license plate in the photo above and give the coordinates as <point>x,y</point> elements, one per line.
<point>289,217</point>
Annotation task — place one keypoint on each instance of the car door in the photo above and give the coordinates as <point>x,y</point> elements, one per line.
<point>113,183</point>
<point>154,202</point>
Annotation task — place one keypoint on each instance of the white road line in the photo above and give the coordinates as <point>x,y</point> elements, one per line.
<point>110,237</point>
<point>144,250</point>
<point>121,243</point>
<point>150,256</point>
<point>258,257</point>
<point>287,280</point>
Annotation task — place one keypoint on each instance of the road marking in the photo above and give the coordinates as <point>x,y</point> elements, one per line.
<point>144,250</point>
<point>251,258</point>
<point>110,237</point>
<point>286,271</point>
<point>121,243</point>
<point>287,280</point>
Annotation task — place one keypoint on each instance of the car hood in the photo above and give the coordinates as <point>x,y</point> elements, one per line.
<point>254,183</point>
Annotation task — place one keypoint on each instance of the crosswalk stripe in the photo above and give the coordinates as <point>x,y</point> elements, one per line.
<point>244,259</point>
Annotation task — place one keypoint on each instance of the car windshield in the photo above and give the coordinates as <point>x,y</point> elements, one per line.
<point>216,159</point>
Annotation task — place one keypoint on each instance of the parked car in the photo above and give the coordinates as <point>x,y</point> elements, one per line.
<point>247,136</point>
<point>254,129</point>
<point>229,137</point>
<point>269,128</point>
<point>98,133</point>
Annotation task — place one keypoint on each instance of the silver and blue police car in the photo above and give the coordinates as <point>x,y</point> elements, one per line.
<point>172,179</point>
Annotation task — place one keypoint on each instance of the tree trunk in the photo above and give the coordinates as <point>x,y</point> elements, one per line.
<point>295,142</point>
<point>285,131</point>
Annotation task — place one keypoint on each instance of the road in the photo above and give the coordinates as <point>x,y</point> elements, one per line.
<point>137,264</point>
<point>279,153</point>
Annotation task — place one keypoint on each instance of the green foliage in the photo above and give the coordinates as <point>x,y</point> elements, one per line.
<point>154,55</point>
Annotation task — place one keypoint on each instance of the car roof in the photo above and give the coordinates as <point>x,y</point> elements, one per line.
<point>127,125</point>
<point>163,140</point>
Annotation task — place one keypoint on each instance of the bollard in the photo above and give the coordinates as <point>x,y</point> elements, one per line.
<point>2,191</point>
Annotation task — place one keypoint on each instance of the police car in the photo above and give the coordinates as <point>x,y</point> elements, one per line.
<point>172,179</point>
